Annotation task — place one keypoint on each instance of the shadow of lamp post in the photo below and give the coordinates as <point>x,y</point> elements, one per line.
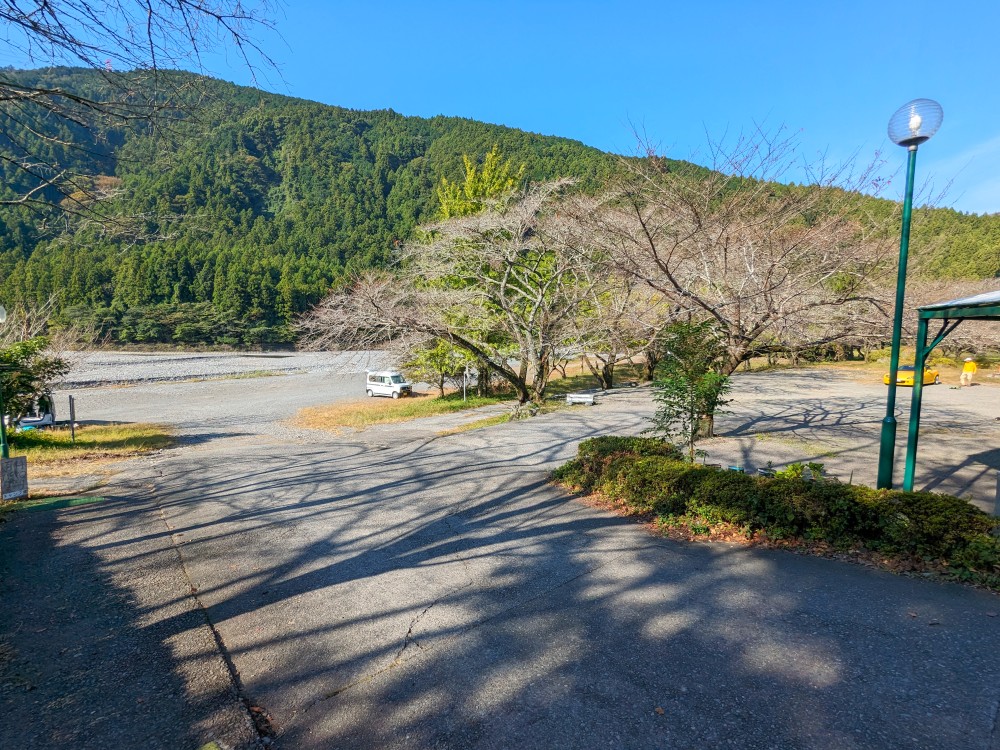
<point>4,451</point>
<point>911,125</point>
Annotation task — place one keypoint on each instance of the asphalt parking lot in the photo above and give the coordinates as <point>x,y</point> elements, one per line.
<point>824,415</point>
<point>398,589</point>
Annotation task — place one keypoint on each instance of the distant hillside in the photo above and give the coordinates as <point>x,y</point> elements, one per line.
<point>251,210</point>
<point>258,208</point>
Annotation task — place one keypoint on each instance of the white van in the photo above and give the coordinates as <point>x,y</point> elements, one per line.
<point>388,383</point>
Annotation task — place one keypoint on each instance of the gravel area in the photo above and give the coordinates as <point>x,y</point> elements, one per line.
<point>213,396</point>
<point>109,368</point>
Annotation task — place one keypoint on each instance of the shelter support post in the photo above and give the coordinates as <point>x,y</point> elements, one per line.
<point>915,399</point>
<point>920,363</point>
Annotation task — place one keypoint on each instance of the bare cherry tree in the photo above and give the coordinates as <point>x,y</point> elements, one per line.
<point>504,285</point>
<point>760,259</point>
<point>621,320</point>
<point>24,323</point>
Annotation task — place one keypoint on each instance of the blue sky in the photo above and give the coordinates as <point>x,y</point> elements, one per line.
<point>591,70</point>
<point>833,72</point>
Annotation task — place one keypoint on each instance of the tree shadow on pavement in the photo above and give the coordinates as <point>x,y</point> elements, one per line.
<point>83,666</point>
<point>447,596</point>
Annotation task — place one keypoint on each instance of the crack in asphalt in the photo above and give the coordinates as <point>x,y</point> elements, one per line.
<point>400,658</point>
<point>258,719</point>
<point>408,638</point>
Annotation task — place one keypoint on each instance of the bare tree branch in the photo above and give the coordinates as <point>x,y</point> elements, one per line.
<point>770,264</point>
<point>132,45</point>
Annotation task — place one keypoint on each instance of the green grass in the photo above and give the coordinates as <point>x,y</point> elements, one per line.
<point>95,442</point>
<point>56,503</point>
<point>374,411</point>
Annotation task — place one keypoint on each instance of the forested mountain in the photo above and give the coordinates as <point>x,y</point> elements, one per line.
<point>233,221</point>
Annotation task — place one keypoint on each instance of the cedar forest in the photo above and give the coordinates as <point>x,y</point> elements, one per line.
<point>245,216</point>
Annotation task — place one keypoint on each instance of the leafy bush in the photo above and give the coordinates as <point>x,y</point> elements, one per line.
<point>942,360</point>
<point>647,475</point>
<point>633,446</point>
<point>596,454</point>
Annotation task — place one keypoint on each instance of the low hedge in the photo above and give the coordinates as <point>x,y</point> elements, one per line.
<point>647,475</point>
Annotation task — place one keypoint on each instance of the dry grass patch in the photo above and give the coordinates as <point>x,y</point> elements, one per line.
<point>374,411</point>
<point>53,453</point>
<point>476,425</point>
<point>579,378</point>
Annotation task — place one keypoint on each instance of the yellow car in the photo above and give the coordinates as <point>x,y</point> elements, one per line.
<point>905,374</point>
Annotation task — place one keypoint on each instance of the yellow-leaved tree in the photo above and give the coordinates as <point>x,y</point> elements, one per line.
<point>495,179</point>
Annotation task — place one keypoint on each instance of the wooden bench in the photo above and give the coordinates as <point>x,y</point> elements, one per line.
<point>581,398</point>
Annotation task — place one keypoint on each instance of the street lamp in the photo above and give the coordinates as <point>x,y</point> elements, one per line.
<point>911,125</point>
<point>4,451</point>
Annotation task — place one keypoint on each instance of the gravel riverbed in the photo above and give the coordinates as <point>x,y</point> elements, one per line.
<point>211,395</point>
<point>91,369</point>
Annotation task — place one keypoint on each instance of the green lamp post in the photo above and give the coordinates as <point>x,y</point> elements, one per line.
<point>911,125</point>
<point>4,451</point>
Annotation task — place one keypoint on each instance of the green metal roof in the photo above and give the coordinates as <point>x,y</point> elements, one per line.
<point>951,314</point>
<point>984,306</point>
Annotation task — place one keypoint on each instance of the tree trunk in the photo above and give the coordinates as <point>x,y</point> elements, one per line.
<point>441,386</point>
<point>605,374</point>
<point>483,375</point>
<point>732,360</point>
<point>608,372</point>
<point>523,394</point>
<point>540,380</point>
<point>652,360</point>
<point>706,426</point>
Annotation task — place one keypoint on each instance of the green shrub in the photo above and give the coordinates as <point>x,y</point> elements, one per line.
<point>927,524</point>
<point>650,483</point>
<point>635,446</point>
<point>596,454</point>
<point>647,475</point>
<point>942,360</point>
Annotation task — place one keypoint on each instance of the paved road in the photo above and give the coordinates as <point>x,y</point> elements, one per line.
<point>820,415</point>
<point>392,589</point>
